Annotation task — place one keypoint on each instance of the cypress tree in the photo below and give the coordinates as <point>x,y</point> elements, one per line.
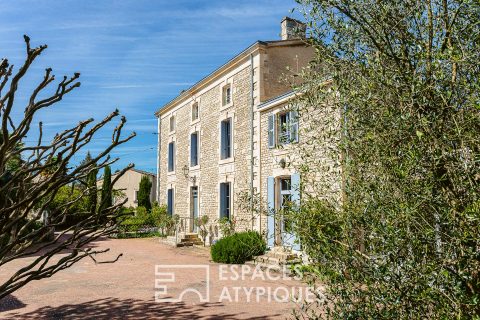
<point>106,189</point>
<point>92,192</point>
<point>144,193</point>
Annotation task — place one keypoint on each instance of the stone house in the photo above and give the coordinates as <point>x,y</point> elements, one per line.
<point>217,140</point>
<point>128,186</point>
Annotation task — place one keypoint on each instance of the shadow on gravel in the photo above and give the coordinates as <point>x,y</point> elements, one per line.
<point>10,303</point>
<point>112,308</point>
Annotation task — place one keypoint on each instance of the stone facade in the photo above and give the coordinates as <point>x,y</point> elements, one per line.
<point>254,76</point>
<point>283,161</point>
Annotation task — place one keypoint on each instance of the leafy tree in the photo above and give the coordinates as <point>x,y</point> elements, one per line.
<point>106,200</point>
<point>144,190</point>
<point>47,169</point>
<point>394,88</point>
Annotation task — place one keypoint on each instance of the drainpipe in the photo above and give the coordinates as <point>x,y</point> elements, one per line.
<point>251,137</point>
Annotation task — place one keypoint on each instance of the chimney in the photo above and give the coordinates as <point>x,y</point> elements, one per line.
<point>293,29</point>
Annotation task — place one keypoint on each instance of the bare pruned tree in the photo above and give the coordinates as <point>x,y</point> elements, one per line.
<point>45,167</point>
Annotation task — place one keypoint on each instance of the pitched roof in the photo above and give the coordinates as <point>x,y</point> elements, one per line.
<point>230,63</point>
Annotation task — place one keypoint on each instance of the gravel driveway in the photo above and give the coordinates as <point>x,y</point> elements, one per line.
<point>127,288</point>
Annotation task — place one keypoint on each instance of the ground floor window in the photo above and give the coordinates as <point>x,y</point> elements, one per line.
<point>225,200</point>
<point>170,202</point>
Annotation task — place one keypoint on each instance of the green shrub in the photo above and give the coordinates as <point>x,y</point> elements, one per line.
<point>137,225</point>
<point>238,248</point>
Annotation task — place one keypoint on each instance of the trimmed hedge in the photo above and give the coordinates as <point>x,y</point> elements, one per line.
<point>238,248</point>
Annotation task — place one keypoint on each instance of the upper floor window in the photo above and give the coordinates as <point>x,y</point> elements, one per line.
<point>226,139</point>
<point>195,111</point>
<point>172,123</point>
<point>282,128</point>
<point>171,156</point>
<point>227,94</point>
<point>194,149</point>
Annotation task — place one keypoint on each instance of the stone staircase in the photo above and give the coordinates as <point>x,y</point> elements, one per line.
<point>184,240</point>
<point>279,259</point>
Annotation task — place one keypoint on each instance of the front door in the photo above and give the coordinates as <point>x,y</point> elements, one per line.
<point>283,193</point>
<point>194,209</point>
<point>284,234</point>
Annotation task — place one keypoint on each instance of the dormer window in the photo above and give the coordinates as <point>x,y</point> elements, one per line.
<point>172,123</point>
<point>226,95</point>
<point>195,111</point>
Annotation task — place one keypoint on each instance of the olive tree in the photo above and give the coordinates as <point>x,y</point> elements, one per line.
<point>403,239</point>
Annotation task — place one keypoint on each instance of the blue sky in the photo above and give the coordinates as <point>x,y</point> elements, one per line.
<point>134,55</point>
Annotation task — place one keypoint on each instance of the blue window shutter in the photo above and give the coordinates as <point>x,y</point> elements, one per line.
<point>229,138</point>
<point>271,131</point>
<point>223,203</point>
<point>223,140</point>
<point>170,202</point>
<point>225,197</point>
<point>171,156</point>
<point>226,138</point>
<point>294,126</point>
<point>271,211</point>
<point>227,200</point>
<point>194,149</point>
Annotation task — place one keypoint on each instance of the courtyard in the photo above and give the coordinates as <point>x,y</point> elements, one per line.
<point>126,289</point>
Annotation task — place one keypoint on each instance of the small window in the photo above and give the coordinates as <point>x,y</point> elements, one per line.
<point>194,149</point>
<point>170,202</point>
<point>172,123</point>
<point>171,156</point>
<point>195,111</point>
<point>226,139</point>
<point>226,95</point>
<point>225,200</point>
<point>135,196</point>
<point>282,128</point>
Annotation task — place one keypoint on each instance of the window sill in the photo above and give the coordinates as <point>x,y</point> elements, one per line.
<point>228,105</point>
<point>171,132</point>
<point>195,168</point>
<point>225,161</point>
<point>171,173</point>
<point>194,121</point>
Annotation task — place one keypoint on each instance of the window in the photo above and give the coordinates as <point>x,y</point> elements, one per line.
<point>171,156</point>
<point>170,202</point>
<point>195,111</point>
<point>226,95</point>
<point>285,202</point>
<point>226,139</point>
<point>172,123</point>
<point>194,149</point>
<point>282,128</point>
<point>225,200</point>
<point>135,196</point>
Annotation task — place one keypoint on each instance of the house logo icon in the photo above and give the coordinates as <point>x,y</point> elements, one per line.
<point>165,278</point>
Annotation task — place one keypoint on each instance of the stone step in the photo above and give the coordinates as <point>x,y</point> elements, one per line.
<point>189,243</point>
<point>276,261</point>
<point>191,236</point>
